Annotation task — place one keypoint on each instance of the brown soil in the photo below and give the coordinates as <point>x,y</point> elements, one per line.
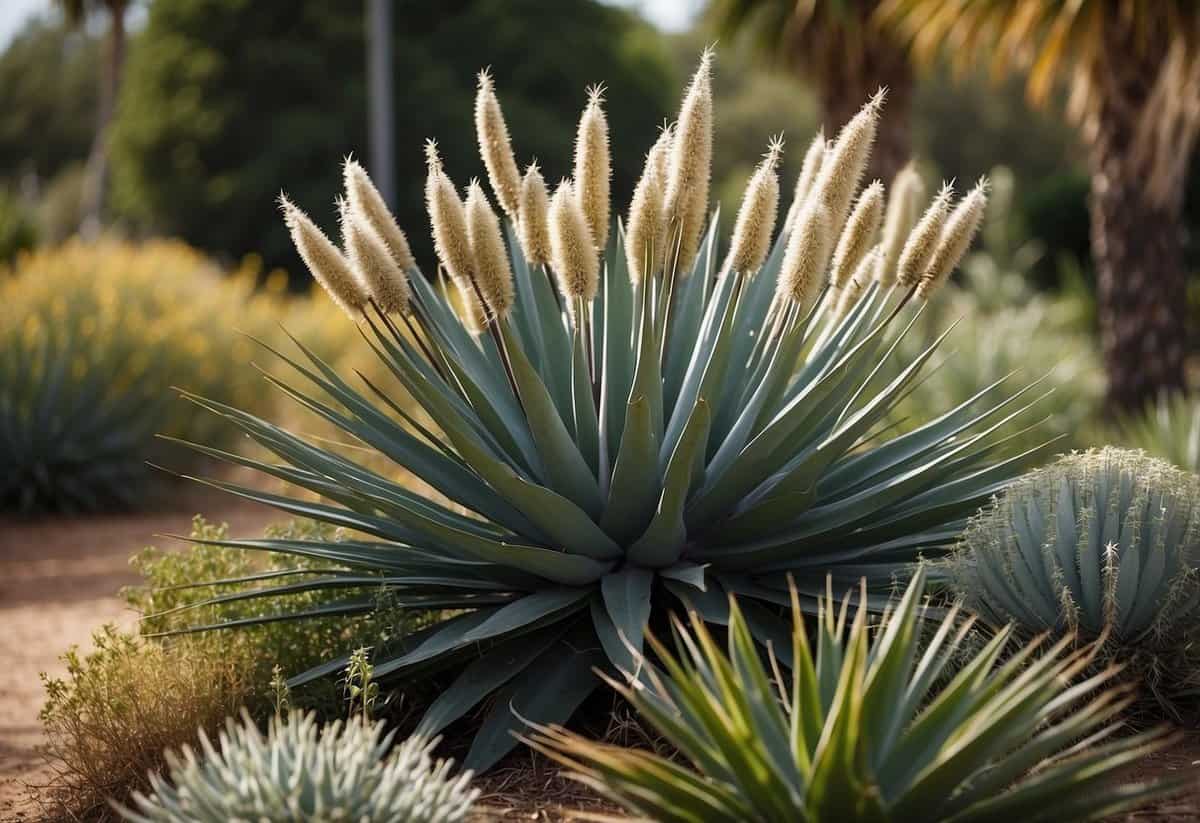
<point>59,580</point>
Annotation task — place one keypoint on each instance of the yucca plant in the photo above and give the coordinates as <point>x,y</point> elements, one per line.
<point>869,727</point>
<point>300,772</point>
<point>1101,543</point>
<point>666,429</point>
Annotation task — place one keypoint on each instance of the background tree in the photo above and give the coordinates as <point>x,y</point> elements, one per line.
<point>48,97</point>
<point>1133,71</point>
<point>96,182</point>
<point>228,99</point>
<point>835,44</point>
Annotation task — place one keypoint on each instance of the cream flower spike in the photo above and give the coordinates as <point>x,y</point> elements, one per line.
<point>593,166</point>
<point>689,168</point>
<point>372,260</point>
<point>755,223</point>
<point>326,264</point>
<point>495,146</point>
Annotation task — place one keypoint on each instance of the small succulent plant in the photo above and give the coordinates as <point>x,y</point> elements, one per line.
<point>868,728</point>
<point>300,772</point>
<point>1103,543</point>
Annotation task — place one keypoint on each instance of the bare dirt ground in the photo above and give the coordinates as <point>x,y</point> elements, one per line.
<point>59,579</point>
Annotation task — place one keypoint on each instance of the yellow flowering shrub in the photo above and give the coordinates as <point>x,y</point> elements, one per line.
<point>93,339</point>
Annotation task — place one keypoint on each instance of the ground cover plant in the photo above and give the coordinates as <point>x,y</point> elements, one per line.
<point>1101,543</point>
<point>92,337</point>
<point>301,771</point>
<point>866,729</point>
<point>627,421</point>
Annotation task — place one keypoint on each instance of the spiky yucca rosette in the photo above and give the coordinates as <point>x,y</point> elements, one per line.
<point>623,432</point>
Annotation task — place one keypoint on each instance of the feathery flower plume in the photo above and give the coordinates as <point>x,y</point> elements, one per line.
<point>373,261</point>
<point>756,217</point>
<point>908,190</point>
<point>492,272</point>
<point>961,227</point>
<point>495,147</point>
<point>689,167</point>
<point>847,158</point>
<point>646,230</point>
<point>864,273</point>
<point>367,203</point>
<point>660,153</point>
<point>448,220</point>
<point>858,236</point>
<point>533,225</point>
<point>806,255</point>
<point>914,257</point>
<point>809,170</point>
<point>324,261</point>
<point>572,250</point>
<point>593,167</point>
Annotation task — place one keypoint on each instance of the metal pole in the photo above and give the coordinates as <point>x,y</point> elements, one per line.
<point>380,117</point>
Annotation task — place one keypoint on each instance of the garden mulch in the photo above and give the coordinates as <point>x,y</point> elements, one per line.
<point>59,579</point>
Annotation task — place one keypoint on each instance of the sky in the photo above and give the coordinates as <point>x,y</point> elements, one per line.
<point>669,15</point>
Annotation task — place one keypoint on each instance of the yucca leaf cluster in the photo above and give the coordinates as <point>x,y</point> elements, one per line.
<point>1103,543</point>
<point>300,771</point>
<point>627,422</point>
<point>870,726</point>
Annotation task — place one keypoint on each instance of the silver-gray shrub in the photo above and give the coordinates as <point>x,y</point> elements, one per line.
<point>300,771</point>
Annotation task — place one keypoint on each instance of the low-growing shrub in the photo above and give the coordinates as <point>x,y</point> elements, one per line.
<point>302,773</point>
<point>867,728</point>
<point>111,717</point>
<point>93,336</point>
<point>1101,543</point>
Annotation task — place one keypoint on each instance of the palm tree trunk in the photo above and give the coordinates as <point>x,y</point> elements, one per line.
<point>96,180</point>
<point>1136,245</point>
<point>864,69</point>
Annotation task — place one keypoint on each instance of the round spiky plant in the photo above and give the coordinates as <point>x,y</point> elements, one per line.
<point>1104,543</point>
<point>869,729</point>
<point>300,772</point>
<point>627,423</point>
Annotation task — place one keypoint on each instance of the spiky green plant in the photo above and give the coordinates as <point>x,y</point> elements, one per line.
<point>300,772</point>
<point>1103,543</point>
<point>864,731</point>
<point>665,430</point>
<point>1168,428</point>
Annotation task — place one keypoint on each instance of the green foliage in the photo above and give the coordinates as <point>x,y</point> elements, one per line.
<point>1102,543</point>
<point>223,99</point>
<point>573,507</point>
<point>170,597</point>
<point>301,772</point>
<point>91,339</point>
<point>48,99</point>
<point>17,229</point>
<point>865,732</point>
<point>1169,429</point>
